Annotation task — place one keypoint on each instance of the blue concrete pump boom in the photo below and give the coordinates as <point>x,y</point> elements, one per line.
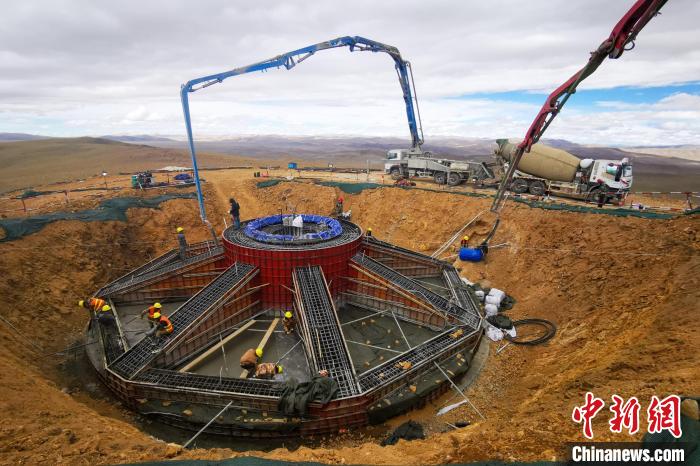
<point>289,60</point>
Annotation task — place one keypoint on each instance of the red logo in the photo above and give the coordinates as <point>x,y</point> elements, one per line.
<point>587,412</point>
<point>661,414</point>
<point>625,415</point>
<point>665,415</point>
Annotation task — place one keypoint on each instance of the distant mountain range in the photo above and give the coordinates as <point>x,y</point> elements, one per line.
<point>679,166</point>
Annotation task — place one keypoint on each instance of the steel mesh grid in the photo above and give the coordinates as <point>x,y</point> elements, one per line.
<point>146,350</point>
<point>329,347</point>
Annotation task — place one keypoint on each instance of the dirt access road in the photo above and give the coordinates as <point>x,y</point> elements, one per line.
<point>622,291</point>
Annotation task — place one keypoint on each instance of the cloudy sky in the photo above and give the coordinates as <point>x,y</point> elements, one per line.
<point>482,69</point>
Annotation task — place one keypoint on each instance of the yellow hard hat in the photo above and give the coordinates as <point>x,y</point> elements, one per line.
<point>157,305</point>
<point>106,308</point>
<point>369,229</point>
<point>81,303</point>
<point>259,352</point>
<point>288,315</point>
<point>180,229</point>
<point>156,315</point>
<point>279,369</point>
<point>466,236</point>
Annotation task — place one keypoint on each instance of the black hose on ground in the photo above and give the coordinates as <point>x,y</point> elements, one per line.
<point>484,246</point>
<point>550,328</point>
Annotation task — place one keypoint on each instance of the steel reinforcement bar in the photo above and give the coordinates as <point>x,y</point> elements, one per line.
<point>372,242</point>
<point>458,290</point>
<point>327,343</point>
<point>420,355</point>
<point>146,350</point>
<point>468,317</point>
<point>131,281</point>
<point>174,379</point>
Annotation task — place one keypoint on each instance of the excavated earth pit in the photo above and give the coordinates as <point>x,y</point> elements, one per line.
<point>623,293</point>
<point>227,296</point>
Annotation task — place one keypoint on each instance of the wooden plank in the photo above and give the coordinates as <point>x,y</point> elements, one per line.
<point>263,342</point>
<point>199,359</point>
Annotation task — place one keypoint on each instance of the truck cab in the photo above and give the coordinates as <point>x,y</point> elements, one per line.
<point>615,174</point>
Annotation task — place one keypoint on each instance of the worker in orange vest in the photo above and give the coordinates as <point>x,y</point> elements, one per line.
<point>164,326</point>
<point>93,304</point>
<point>267,370</point>
<point>151,311</point>
<point>250,358</point>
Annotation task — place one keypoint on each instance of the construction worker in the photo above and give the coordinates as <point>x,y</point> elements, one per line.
<point>267,370</point>
<point>250,358</point>
<point>105,316</point>
<point>163,326</point>
<point>183,242</point>
<point>369,232</point>
<point>288,322</point>
<point>151,311</point>
<point>235,212</point>
<point>339,207</point>
<point>93,304</point>
<point>465,242</point>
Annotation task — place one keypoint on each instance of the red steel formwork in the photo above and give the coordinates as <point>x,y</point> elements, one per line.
<point>277,266</point>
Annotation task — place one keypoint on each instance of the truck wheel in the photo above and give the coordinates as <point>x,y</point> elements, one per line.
<point>518,186</point>
<point>594,196</point>
<point>395,173</point>
<point>439,177</point>
<point>453,179</point>
<point>536,188</point>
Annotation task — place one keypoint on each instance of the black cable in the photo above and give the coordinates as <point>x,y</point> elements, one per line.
<point>550,328</point>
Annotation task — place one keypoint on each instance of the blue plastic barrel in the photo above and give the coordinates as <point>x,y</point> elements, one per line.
<point>471,254</point>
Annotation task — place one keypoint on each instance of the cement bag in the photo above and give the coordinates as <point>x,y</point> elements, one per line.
<point>480,294</point>
<point>491,309</point>
<point>466,282</point>
<point>494,334</point>
<point>493,300</point>
<point>497,293</point>
<point>510,331</point>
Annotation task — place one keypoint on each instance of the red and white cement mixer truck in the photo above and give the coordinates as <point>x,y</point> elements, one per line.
<point>554,171</point>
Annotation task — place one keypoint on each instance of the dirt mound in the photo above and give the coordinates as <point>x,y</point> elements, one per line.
<point>622,291</point>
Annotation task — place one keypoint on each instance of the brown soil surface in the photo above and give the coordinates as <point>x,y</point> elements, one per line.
<point>622,291</point>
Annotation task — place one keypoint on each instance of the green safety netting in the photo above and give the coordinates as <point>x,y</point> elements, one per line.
<point>253,461</point>
<point>268,183</point>
<point>109,209</point>
<point>356,188</point>
<point>349,188</point>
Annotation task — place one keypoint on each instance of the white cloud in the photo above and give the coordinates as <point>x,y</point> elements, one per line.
<point>116,67</point>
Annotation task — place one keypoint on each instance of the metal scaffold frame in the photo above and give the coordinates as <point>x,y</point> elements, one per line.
<point>323,335</point>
